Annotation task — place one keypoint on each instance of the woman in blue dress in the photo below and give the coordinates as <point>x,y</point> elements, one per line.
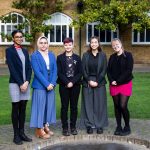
<point>43,110</point>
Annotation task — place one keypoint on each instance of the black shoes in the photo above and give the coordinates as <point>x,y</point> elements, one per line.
<point>126,131</point>
<point>74,131</point>
<point>122,132</point>
<point>99,130</point>
<point>118,131</point>
<point>89,130</point>
<point>65,132</point>
<point>25,138</point>
<point>17,140</point>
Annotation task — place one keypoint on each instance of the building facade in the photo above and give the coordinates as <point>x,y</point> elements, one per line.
<point>135,42</point>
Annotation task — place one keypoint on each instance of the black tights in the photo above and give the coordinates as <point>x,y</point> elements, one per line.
<point>121,109</point>
<point>18,114</point>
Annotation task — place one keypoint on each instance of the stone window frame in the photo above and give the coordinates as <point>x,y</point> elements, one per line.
<point>141,38</point>
<point>60,20</point>
<point>12,25</point>
<point>106,39</point>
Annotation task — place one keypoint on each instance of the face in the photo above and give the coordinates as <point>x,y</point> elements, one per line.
<point>68,47</point>
<point>117,46</point>
<point>43,44</point>
<point>94,44</point>
<point>18,38</point>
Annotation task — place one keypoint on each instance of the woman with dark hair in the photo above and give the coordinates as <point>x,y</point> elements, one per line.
<point>69,80</point>
<point>43,111</point>
<point>20,74</point>
<point>120,76</point>
<point>94,100</point>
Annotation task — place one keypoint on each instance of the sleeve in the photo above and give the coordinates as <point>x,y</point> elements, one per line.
<point>128,72</point>
<point>54,71</point>
<point>37,72</point>
<point>60,73</point>
<point>109,70</point>
<point>12,68</point>
<point>78,76</point>
<point>102,73</point>
<point>84,71</point>
<point>29,69</point>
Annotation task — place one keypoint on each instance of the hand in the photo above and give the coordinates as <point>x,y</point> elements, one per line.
<point>114,83</point>
<point>50,87</point>
<point>93,83</point>
<point>24,86</point>
<point>69,85</point>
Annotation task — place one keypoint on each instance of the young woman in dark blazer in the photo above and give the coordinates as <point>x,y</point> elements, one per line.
<point>69,80</point>
<point>94,100</point>
<point>20,74</point>
<point>120,76</point>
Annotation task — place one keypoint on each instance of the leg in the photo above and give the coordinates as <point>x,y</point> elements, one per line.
<point>22,116</point>
<point>118,115</point>
<point>74,96</point>
<point>125,112</point>
<point>15,121</point>
<point>64,95</point>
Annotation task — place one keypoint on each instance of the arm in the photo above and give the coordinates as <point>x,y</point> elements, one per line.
<point>109,70</point>
<point>85,75</point>
<point>102,73</point>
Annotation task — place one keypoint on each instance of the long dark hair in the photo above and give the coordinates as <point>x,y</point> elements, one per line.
<point>99,47</point>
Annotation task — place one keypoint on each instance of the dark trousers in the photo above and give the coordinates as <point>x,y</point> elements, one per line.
<point>18,114</point>
<point>69,95</point>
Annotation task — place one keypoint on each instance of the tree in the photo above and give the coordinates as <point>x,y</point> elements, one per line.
<point>115,14</point>
<point>35,12</point>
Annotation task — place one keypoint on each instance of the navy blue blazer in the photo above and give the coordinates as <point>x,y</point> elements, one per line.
<point>61,65</point>
<point>41,78</point>
<point>15,65</point>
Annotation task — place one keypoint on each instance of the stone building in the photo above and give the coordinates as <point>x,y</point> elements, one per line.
<point>137,43</point>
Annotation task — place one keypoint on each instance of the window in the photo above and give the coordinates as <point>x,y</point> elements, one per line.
<point>141,37</point>
<point>105,35</point>
<point>60,28</point>
<point>6,28</point>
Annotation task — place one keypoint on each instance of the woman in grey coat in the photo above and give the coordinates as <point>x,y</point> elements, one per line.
<point>94,100</point>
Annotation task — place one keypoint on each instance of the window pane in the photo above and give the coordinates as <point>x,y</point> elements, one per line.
<point>108,36</point>
<point>96,31</point>
<point>147,35</point>
<point>115,34</point>
<point>20,19</point>
<point>27,29</point>
<point>70,32</point>
<point>14,27</point>
<point>14,18</point>
<point>135,33</point>
<point>142,36</point>
<point>58,33</point>
<point>102,36</point>
<point>89,32</point>
<point>8,29</point>
<point>2,28</point>
<point>64,32</point>
<point>52,34</point>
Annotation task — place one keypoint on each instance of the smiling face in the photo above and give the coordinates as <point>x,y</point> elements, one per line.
<point>117,46</point>
<point>68,47</point>
<point>18,38</point>
<point>94,44</point>
<point>43,44</point>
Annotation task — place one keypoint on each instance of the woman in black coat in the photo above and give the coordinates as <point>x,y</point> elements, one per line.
<point>20,74</point>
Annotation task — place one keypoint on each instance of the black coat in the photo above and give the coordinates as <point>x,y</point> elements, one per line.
<point>15,65</point>
<point>122,72</point>
<point>61,70</point>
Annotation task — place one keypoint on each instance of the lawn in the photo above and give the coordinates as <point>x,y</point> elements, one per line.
<point>138,104</point>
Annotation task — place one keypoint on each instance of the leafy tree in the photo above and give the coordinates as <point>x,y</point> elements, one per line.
<point>35,12</point>
<point>115,14</point>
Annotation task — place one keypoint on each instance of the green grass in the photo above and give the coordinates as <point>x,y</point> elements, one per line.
<point>138,103</point>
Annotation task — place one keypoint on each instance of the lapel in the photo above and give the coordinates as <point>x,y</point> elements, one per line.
<point>64,61</point>
<point>15,53</point>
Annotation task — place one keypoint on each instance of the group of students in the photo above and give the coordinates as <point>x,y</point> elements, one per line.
<point>69,71</point>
